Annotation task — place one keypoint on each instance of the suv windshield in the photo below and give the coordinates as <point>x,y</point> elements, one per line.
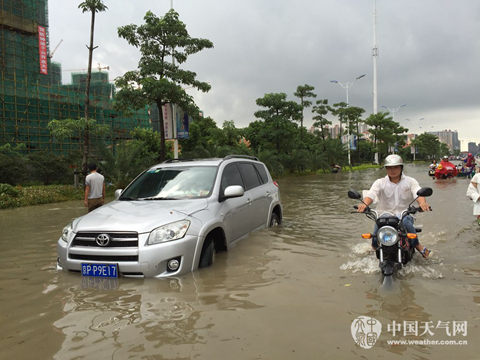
<point>172,183</point>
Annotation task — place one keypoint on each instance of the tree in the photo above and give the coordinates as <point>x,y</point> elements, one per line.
<point>93,6</point>
<point>278,118</point>
<point>303,93</point>
<point>158,79</point>
<point>385,132</point>
<point>76,128</point>
<point>427,146</point>
<point>338,110</point>
<point>321,109</point>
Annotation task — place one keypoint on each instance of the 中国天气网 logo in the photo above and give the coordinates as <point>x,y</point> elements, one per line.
<point>366,331</point>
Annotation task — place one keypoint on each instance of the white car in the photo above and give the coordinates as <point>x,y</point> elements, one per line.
<point>172,219</point>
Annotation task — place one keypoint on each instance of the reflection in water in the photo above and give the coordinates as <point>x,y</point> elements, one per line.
<point>396,305</point>
<point>152,316</point>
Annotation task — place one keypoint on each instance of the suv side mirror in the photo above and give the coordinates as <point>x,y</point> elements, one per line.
<point>232,191</point>
<point>117,193</point>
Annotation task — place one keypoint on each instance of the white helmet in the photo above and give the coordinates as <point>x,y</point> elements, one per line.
<point>393,160</point>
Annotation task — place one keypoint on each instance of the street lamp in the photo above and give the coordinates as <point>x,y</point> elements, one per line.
<point>347,85</point>
<point>394,110</point>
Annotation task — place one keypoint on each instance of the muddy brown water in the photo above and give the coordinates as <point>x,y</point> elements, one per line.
<point>288,293</point>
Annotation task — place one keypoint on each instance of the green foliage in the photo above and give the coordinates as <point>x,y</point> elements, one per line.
<point>277,129</point>
<point>304,93</point>
<point>8,190</point>
<point>428,147</point>
<point>157,79</point>
<point>93,6</point>
<point>321,109</point>
<point>34,195</point>
<point>386,133</point>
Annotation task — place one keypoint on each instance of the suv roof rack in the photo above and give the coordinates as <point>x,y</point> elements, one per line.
<point>169,161</point>
<point>241,157</point>
<point>176,160</point>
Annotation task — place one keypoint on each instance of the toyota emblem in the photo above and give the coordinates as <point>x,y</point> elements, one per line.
<point>102,240</point>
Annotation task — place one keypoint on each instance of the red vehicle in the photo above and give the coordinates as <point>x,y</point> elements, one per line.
<point>445,169</point>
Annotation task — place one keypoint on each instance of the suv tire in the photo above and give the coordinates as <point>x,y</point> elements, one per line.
<point>274,220</point>
<point>207,258</point>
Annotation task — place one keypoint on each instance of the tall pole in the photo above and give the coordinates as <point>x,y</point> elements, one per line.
<point>174,112</point>
<point>374,55</point>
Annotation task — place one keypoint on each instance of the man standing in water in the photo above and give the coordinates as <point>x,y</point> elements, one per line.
<point>394,193</point>
<point>94,188</point>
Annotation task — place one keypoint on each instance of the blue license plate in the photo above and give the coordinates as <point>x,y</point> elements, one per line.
<point>100,270</point>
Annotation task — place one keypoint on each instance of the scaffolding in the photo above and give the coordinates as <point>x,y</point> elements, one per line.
<point>29,99</point>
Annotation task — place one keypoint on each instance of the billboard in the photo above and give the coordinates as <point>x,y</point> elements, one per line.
<point>167,121</point>
<point>183,121</point>
<point>42,50</point>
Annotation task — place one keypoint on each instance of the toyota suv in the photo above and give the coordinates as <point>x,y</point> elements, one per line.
<point>172,219</point>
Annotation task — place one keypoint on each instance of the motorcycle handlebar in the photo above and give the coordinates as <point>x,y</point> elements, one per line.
<point>416,209</point>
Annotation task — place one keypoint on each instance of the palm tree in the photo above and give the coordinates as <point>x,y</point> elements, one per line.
<point>93,6</point>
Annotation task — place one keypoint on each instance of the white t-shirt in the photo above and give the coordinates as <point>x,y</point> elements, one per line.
<point>391,197</point>
<point>95,182</point>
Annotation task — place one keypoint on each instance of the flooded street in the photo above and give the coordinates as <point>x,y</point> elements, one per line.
<point>288,293</point>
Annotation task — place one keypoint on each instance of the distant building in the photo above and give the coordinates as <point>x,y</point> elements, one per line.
<point>334,131</point>
<point>473,148</point>
<point>448,137</point>
<point>31,90</point>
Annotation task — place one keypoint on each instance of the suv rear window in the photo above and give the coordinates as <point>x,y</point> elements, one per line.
<point>249,175</point>
<point>262,172</point>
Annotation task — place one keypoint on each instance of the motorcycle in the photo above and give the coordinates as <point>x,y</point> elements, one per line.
<point>445,171</point>
<point>392,239</point>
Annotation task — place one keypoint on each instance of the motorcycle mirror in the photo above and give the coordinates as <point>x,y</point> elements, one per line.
<point>425,191</point>
<point>352,194</point>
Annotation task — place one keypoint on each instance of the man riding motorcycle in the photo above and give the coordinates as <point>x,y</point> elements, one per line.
<point>393,194</point>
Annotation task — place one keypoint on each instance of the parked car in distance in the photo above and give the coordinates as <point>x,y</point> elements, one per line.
<point>172,219</point>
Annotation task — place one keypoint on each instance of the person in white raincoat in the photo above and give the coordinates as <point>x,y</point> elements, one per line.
<point>473,193</point>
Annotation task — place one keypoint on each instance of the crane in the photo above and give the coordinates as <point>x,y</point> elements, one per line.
<point>50,55</point>
<point>99,67</point>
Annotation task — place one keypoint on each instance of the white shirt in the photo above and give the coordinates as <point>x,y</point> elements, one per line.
<point>95,181</point>
<point>391,197</point>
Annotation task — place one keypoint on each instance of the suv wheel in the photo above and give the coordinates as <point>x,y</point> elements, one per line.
<point>207,257</point>
<point>274,220</point>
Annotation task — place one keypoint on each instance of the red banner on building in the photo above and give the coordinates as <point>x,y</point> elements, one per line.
<point>42,50</point>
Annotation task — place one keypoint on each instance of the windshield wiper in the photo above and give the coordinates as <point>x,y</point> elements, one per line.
<point>127,198</point>
<point>159,198</point>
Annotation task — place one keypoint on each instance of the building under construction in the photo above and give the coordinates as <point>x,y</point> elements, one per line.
<point>31,90</point>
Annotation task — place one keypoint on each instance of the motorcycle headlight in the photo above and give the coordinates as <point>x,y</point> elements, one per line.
<point>387,235</point>
<point>66,232</point>
<point>169,232</point>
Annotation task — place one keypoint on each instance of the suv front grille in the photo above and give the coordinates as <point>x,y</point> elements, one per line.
<point>116,258</point>
<point>120,239</point>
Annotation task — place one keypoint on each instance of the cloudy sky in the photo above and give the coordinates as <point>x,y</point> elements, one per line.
<point>429,53</point>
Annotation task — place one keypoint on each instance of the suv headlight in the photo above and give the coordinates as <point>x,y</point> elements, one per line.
<point>169,232</point>
<point>387,235</point>
<point>66,232</point>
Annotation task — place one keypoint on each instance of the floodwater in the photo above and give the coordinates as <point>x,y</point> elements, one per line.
<point>287,293</point>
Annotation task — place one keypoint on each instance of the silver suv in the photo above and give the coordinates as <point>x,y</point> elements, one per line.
<point>172,219</point>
